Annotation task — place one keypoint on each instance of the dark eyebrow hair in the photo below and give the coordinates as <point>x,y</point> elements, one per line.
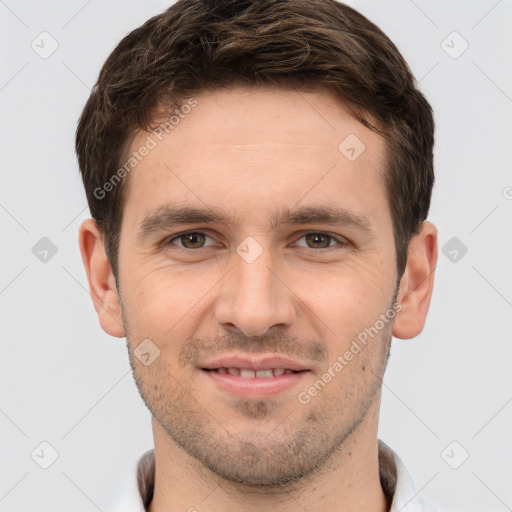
<point>168,215</point>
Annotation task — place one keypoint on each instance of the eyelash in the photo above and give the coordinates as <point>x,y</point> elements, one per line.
<point>341,240</point>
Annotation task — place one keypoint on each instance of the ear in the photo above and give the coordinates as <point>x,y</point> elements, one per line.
<point>102,284</point>
<point>417,283</point>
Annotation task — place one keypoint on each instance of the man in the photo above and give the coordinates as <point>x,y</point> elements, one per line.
<point>259,174</point>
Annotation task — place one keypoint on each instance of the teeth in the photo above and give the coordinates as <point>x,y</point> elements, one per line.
<point>264,373</point>
<point>251,374</point>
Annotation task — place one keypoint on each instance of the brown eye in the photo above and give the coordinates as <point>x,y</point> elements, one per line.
<point>190,240</point>
<point>318,240</point>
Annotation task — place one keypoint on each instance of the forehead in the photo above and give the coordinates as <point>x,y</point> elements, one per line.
<point>249,149</point>
<point>266,115</point>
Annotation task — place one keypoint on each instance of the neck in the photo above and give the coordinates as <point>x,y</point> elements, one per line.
<point>348,481</point>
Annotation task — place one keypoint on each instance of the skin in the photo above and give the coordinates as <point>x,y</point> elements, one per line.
<point>247,153</point>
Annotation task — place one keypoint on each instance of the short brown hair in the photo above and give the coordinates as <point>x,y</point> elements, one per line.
<point>311,45</point>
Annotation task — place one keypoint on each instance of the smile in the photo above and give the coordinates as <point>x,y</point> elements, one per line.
<point>258,384</point>
<point>251,374</point>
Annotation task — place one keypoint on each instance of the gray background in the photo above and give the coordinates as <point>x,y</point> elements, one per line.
<point>66,382</point>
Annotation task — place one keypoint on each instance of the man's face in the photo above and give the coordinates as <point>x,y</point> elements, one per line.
<point>250,290</point>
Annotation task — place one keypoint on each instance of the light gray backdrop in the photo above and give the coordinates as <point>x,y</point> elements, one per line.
<point>447,394</point>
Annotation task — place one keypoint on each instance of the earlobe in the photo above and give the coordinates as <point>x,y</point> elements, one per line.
<point>417,283</point>
<point>102,284</point>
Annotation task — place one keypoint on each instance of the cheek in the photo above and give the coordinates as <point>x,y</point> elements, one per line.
<point>163,302</point>
<point>155,288</point>
<point>350,309</point>
<point>347,295</point>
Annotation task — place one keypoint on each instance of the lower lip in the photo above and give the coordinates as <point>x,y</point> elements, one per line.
<point>257,387</point>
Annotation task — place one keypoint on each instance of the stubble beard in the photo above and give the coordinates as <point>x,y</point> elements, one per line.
<point>296,448</point>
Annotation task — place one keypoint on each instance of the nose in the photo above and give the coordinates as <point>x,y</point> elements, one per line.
<point>255,297</point>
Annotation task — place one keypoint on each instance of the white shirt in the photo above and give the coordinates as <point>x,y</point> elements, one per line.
<point>394,477</point>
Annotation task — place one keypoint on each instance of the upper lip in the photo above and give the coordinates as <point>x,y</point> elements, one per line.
<point>254,363</point>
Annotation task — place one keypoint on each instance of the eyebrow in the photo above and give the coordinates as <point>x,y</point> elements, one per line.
<point>170,216</point>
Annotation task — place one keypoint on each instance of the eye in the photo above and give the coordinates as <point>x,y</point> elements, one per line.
<point>318,238</point>
<point>190,239</point>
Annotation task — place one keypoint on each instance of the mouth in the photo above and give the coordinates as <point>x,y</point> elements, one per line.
<point>245,373</point>
<point>263,383</point>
